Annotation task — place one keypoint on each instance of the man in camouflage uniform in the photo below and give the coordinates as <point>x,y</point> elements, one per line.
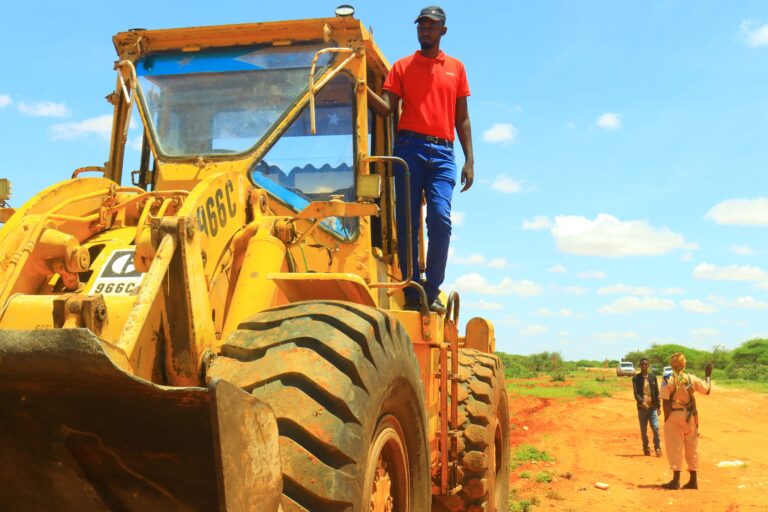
<point>681,419</point>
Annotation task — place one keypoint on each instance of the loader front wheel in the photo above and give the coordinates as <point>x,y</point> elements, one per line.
<point>345,387</point>
<point>483,417</point>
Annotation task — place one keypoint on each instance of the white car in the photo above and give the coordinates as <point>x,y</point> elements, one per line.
<point>667,371</point>
<point>625,368</point>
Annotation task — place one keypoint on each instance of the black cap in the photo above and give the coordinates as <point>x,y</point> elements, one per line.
<point>433,12</point>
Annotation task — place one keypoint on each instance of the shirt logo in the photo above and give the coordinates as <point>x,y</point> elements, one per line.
<point>450,73</point>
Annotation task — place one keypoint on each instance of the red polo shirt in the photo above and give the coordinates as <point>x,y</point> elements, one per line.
<point>429,89</point>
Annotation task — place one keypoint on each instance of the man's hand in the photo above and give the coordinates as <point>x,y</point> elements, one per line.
<point>467,176</point>
<point>708,370</point>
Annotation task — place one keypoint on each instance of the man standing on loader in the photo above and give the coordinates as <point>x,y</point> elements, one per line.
<point>681,422</point>
<point>433,90</point>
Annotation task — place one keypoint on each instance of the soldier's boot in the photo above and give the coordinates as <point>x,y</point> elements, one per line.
<point>674,483</point>
<point>692,482</point>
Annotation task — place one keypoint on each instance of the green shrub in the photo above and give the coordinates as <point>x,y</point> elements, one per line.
<point>543,477</point>
<point>522,505</point>
<point>529,453</point>
<point>517,371</point>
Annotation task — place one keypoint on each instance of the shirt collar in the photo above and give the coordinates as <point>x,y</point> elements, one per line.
<point>440,57</point>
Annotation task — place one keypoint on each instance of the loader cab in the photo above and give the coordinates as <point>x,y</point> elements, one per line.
<point>283,103</point>
<point>207,105</point>
<point>225,104</point>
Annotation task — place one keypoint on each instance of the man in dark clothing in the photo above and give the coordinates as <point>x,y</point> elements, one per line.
<point>432,89</point>
<point>646,389</point>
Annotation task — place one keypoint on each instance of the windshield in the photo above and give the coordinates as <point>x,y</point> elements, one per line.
<point>221,101</point>
<point>302,167</point>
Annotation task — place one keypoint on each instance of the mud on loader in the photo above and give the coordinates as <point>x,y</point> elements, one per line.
<point>226,333</point>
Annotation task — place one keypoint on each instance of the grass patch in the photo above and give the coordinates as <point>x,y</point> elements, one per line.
<point>580,383</point>
<point>544,477</point>
<point>522,504</point>
<point>554,495</point>
<point>751,385</point>
<point>519,504</point>
<point>529,453</point>
<point>525,474</point>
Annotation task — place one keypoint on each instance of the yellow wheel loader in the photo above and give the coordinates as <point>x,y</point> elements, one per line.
<point>227,332</point>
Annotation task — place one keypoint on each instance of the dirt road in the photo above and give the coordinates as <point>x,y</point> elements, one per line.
<point>598,440</point>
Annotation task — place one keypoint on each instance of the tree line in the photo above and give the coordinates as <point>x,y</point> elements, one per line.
<point>748,361</point>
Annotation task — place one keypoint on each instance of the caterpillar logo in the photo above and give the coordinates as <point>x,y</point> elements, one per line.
<point>119,276</point>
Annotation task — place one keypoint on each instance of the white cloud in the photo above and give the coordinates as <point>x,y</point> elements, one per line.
<point>537,223</point>
<point>754,34</point>
<point>534,330</point>
<point>570,125</point>
<point>44,109</point>
<point>686,257</point>
<point>557,269</point>
<point>704,332</point>
<point>472,259</point>
<point>742,250</point>
<point>504,183</point>
<point>696,306</point>
<point>483,304</point>
<point>136,142</point>
<point>609,121</point>
<point>750,303</point>
<point>763,285</point>
<point>672,291</point>
<point>575,290</point>
<point>500,132</point>
<point>478,284</point>
<point>632,303</point>
<point>100,126</point>
<point>741,212</point>
<point>609,237</point>
<point>710,272</point>
<point>509,320</point>
<point>612,336</point>
<point>564,312</point>
<point>5,100</point>
<point>498,263</point>
<point>591,274</point>
<point>457,218</point>
<point>623,289</point>
<point>476,259</point>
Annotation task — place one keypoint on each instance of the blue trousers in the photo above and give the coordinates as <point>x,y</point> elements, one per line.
<point>433,172</point>
<point>646,416</point>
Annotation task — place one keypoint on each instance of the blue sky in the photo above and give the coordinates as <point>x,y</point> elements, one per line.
<point>621,152</point>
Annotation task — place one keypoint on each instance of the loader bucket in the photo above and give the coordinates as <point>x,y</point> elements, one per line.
<point>79,434</point>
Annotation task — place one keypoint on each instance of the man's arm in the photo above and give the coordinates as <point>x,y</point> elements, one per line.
<point>382,105</point>
<point>464,129</point>
<point>655,391</point>
<point>638,395</point>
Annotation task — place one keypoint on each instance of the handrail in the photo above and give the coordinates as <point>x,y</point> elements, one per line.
<point>133,80</point>
<point>408,281</point>
<point>314,87</point>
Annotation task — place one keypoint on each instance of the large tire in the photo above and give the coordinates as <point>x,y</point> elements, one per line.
<point>483,418</point>
<point>345,386</point>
